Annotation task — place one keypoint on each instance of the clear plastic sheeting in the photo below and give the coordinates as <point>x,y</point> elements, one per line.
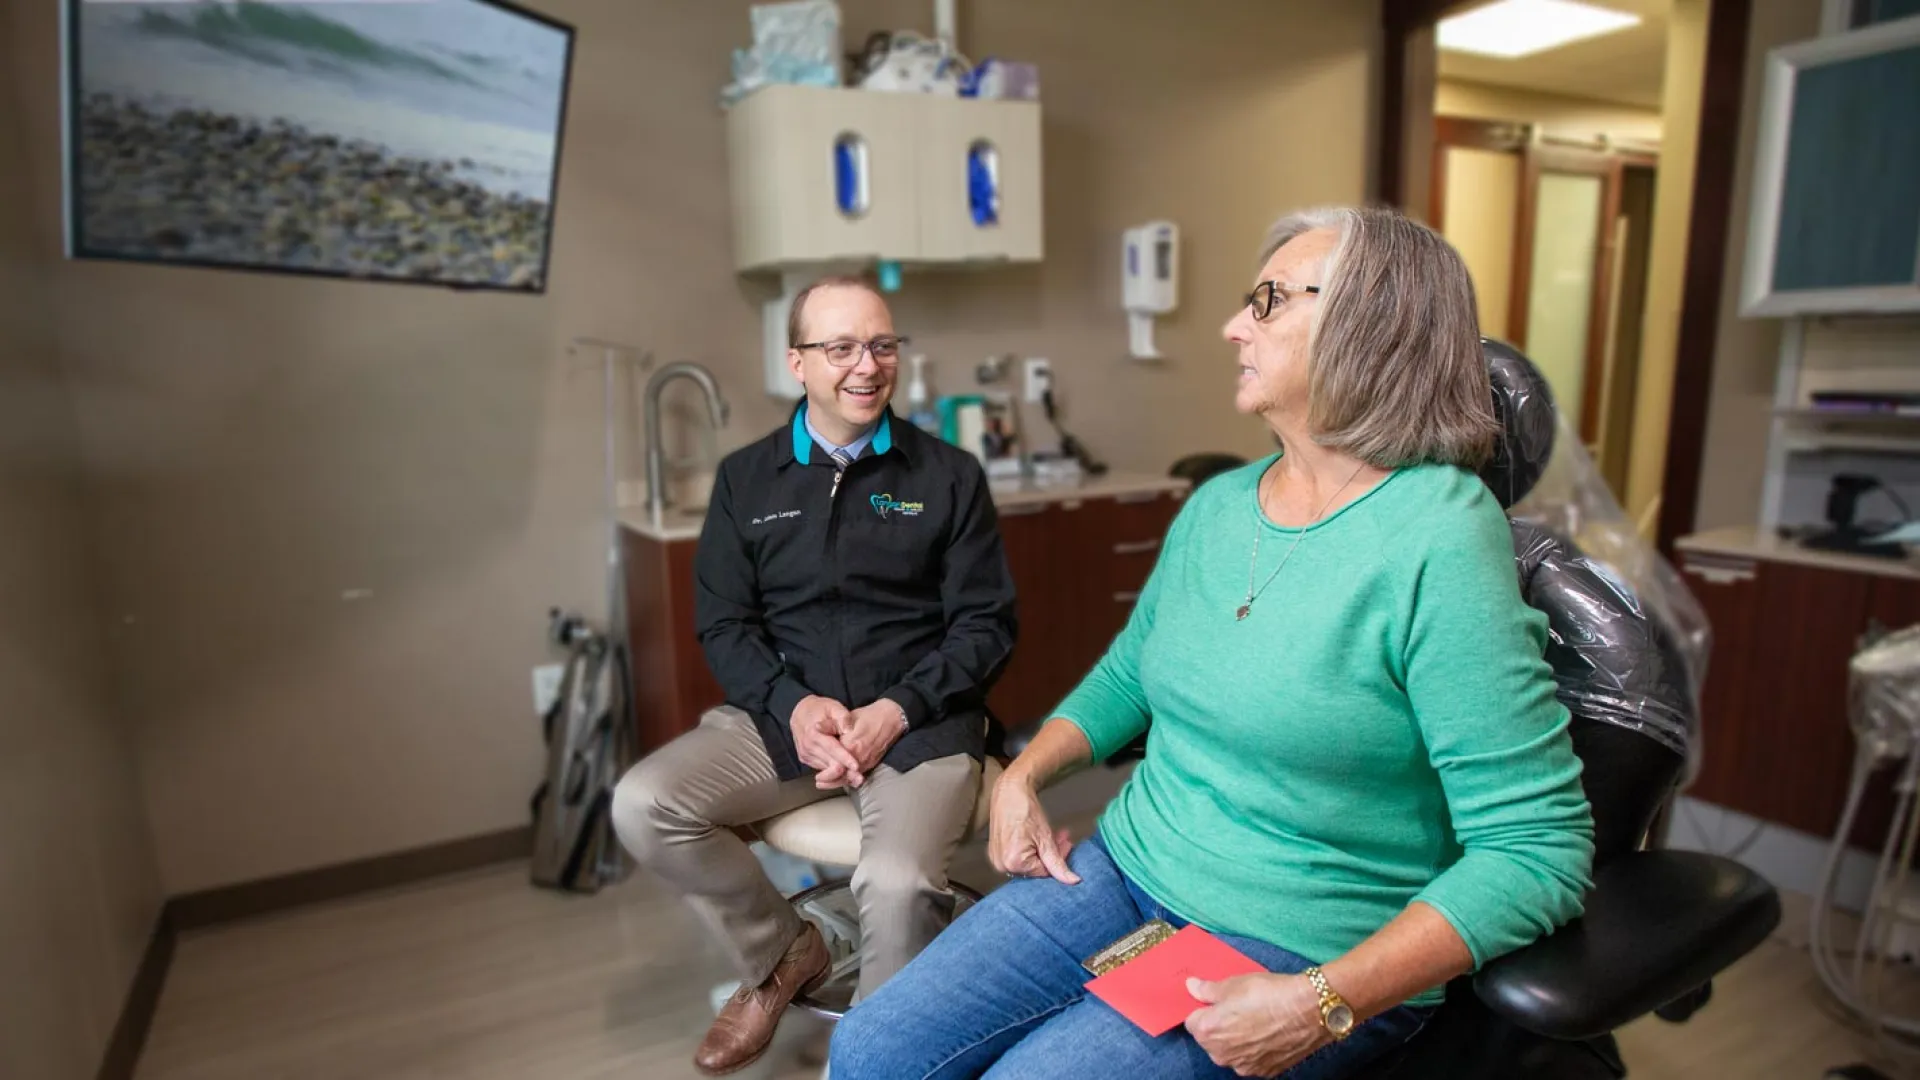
<point>1883,694</point>
<point>1631,648</point>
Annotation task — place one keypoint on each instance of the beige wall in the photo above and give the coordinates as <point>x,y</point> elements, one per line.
<point>264,449</point>
<point>1746,352</point>
<point>1569,117</point>
<point>1667,259</point>
<point>78,888</point>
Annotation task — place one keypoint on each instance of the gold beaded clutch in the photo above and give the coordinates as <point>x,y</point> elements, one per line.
<point>1146,937</point>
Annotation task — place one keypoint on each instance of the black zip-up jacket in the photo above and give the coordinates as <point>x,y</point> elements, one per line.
<point>894,585</point>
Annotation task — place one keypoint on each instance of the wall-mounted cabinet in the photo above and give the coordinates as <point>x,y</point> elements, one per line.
<point>1835,224</point>
<point>979,180</point>
<point>830,175</point>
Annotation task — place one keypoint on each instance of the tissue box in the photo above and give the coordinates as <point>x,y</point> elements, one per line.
<point>800,38</point>
<point>794,43</point>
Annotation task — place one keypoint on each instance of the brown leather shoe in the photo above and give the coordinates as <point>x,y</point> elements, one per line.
<point>744,1029</point>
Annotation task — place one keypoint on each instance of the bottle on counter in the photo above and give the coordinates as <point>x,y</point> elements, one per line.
<point>920,411</point>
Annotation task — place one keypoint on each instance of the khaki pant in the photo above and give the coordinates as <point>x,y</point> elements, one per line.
<point>673,811</point>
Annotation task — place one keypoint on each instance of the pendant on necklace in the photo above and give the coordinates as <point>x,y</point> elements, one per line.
<point>1245,610</point>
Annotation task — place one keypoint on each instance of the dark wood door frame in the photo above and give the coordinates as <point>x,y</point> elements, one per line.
<point>1722,88</point>
<point>1399,18</point>
<point>1710,224</point>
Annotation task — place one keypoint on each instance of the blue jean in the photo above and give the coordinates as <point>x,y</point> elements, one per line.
<point>1001,994</point>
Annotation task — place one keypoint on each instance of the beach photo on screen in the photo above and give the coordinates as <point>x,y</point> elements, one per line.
<point>401,139</point>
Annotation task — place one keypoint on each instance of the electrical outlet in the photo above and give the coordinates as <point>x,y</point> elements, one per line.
<point>1039,378</point>
<point>546,686</point>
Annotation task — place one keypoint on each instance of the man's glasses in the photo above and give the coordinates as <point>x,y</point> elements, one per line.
<point>1271,294</point>
<point>845,352</point>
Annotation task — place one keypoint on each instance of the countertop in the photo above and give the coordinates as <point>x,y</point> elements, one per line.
<point>1750,542</point>
<point>685,524</point>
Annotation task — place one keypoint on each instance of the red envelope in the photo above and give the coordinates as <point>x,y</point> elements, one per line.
<point>1151,989</point>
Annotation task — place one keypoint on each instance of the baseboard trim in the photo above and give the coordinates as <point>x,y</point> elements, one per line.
<point>129,1037</point>
<point>252,899</point>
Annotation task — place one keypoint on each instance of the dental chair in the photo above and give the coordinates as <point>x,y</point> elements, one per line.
<point>1658,925</point>
<point>1197,469</point>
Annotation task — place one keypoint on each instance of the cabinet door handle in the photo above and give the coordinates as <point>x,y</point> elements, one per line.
<point>1136,547</point>
<point>1023,509</point>
<point>1126,597</point>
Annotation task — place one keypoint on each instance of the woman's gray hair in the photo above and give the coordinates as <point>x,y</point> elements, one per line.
<point>1395,371</point>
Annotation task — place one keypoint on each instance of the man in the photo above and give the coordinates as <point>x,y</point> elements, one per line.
<point>854,603</point>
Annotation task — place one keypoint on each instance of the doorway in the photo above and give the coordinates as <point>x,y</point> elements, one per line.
<point>1662,78</point>
<point>1557,237</point>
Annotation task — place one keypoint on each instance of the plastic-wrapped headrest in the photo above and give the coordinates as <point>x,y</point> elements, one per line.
<point>1524,403</point>
<point>1613,660</point>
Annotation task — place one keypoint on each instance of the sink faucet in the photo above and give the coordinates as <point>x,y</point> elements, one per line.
<point>717,410</point>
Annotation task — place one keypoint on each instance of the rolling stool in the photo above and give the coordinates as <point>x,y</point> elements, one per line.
<point>829,832</point>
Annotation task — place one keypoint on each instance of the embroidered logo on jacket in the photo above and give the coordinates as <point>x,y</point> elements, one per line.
<point>887,505</point>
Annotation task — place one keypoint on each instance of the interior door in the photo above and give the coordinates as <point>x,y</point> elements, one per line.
<point>1563,274</point>
<point>1477,172</point>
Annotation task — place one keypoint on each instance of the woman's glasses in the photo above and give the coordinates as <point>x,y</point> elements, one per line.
<point>1271,294</point>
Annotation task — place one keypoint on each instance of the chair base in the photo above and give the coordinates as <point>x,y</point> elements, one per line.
<point>831,906</point>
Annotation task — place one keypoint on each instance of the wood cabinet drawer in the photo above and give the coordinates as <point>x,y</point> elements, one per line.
<point>1775,736</point>
<point>1123,539</point>
<point>1078,565</point>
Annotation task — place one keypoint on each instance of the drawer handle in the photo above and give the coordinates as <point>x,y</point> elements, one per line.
<point>1719,573</point>
<point>1137,497</point>
<point>1023,509</point>
<point>1136,547</point>
<point>1126,597</point>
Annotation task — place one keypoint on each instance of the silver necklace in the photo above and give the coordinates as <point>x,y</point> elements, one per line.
<point>1253,564</point>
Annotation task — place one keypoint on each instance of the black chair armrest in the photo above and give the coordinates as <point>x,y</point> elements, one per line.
<point>1657,925</point>
<point>1017,740</point>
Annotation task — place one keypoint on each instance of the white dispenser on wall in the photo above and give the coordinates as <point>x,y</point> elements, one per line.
<point>1149,281</point>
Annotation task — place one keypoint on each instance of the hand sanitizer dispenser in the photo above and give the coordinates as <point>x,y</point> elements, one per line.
<point>1149,281</point>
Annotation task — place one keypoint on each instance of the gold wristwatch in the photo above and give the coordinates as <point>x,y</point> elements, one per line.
<point>1335,1014</point>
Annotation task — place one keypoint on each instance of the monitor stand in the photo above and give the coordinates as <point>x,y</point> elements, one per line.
<point>1849,540</point>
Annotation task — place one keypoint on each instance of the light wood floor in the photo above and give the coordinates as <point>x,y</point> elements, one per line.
<point>483,977</point>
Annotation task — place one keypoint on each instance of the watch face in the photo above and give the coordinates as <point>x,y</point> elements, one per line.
<point>1340,1020</point>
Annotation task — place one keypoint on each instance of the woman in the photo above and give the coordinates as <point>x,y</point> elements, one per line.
<point>1358,774</point>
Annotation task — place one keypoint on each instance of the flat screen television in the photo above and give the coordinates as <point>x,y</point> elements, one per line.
<point>402,140</point>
